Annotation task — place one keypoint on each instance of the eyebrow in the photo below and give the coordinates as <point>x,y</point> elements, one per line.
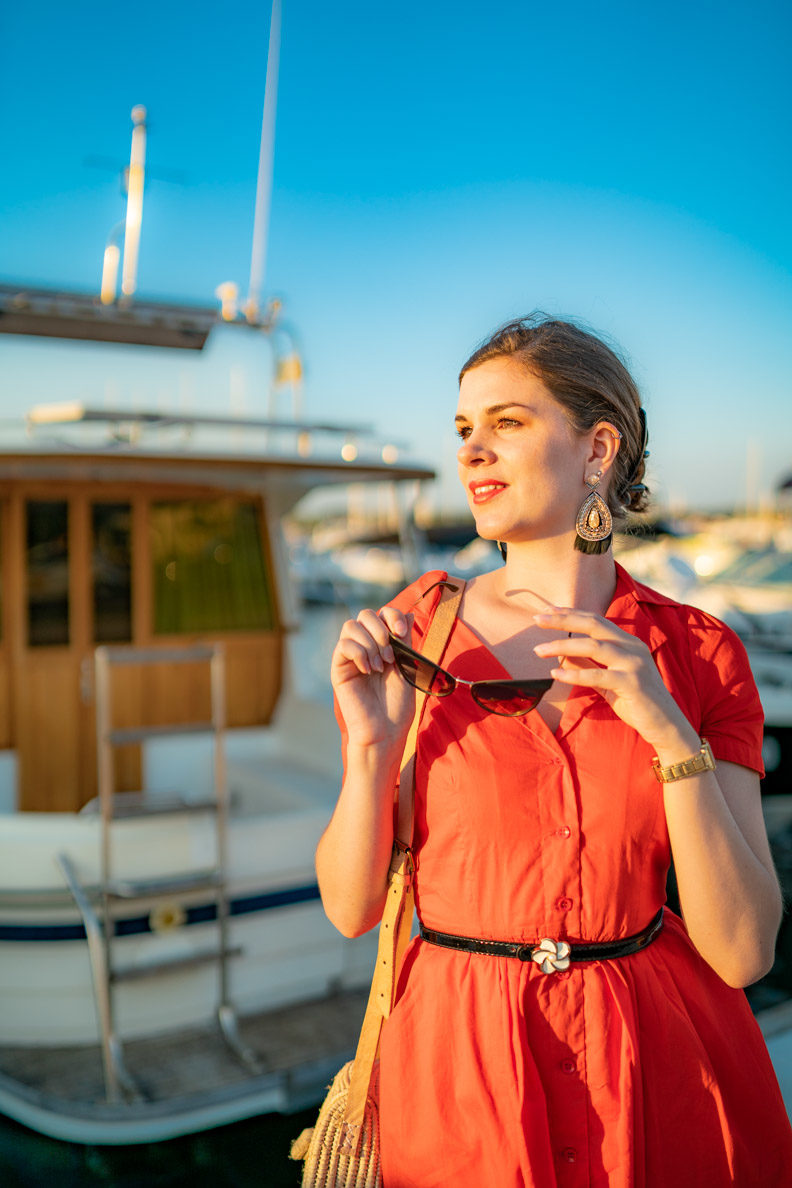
<point>494,409</point>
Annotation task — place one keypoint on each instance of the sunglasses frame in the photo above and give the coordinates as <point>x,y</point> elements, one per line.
<point>544,682</point>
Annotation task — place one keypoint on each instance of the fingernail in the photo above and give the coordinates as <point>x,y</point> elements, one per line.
<point>377,663</point>
<point>388,654</point>
<point>400,629</point>
<point>541,648</point>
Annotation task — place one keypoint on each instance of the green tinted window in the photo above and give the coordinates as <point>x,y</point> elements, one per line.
<point>111,529</point>
<point>47,532</point>
<point>209,568</point>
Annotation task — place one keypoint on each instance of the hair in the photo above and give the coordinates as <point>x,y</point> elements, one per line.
<point>591,383</point>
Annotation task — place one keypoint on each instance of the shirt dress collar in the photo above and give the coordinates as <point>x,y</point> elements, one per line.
<point>631,609</point>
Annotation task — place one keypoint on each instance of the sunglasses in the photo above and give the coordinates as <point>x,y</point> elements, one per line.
<point>510,699</point>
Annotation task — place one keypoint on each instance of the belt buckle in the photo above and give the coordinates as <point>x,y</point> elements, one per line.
<point>551,956</point>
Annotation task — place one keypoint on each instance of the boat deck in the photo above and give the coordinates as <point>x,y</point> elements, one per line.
<point>188,1080</point>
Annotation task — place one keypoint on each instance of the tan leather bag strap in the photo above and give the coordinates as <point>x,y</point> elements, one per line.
<point>396,924</point>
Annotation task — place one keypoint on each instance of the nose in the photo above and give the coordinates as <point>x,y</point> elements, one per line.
<point>475,450</point>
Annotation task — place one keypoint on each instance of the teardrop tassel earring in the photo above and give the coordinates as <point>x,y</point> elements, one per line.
<point>594,522</point>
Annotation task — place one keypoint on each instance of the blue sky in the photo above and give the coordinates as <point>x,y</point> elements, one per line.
<point>439,168</point>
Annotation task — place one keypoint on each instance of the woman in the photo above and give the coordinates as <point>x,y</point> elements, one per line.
<point>617,1067</point>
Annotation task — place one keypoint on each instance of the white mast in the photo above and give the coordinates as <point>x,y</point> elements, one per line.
<point>258,259</point>
<point>134,211</point>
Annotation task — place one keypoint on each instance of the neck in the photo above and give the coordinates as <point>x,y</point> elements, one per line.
<point>557,573</point>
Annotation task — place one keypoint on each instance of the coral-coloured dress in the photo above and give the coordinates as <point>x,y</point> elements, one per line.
<point>643,1072</point>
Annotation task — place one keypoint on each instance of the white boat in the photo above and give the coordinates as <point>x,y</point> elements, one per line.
<point>165,963</point>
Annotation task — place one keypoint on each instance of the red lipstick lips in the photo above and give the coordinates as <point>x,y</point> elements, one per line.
<point>483,490</point>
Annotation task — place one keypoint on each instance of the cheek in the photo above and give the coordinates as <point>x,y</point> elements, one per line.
<point>564,463</point>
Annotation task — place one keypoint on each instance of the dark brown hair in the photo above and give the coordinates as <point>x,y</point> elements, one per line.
<point>591,383</point>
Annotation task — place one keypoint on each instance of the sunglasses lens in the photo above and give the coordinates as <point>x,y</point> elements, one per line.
<point>421,673</point>
<point>509,698</point>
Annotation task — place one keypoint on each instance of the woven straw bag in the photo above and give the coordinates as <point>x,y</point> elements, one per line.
<point>342,1150</point>
<point>328,1149</point>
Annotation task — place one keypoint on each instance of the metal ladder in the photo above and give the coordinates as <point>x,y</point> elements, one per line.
<point>114,892</point>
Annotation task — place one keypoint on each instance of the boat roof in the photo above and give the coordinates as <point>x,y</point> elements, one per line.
<point>75,440</point>
<point>54,313</point>
<point>72,441</point>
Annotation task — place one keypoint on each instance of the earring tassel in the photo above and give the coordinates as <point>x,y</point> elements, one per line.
<point>593,546</point>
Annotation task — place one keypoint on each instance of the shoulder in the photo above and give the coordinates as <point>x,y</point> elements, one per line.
<point>709,641</point>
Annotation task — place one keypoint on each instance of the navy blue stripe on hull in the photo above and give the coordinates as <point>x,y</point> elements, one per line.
<point>201,913</point>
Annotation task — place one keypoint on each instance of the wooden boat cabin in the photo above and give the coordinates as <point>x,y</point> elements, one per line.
<point>141,547</point>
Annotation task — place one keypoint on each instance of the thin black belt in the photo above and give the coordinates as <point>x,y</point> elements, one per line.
<point>551,956</point>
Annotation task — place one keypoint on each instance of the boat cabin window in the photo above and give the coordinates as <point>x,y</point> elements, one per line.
<point>47,572</point>
<point>209,568</point>
<point>111,537</point>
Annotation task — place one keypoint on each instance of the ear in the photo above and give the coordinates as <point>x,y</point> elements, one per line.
<point>604,440</point>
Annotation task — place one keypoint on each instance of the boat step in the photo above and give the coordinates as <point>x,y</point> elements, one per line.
<point>134,734</point>
<point>139,804</point>
<point>188,655</point>
<point>199,880</point>
<point>152,969</point>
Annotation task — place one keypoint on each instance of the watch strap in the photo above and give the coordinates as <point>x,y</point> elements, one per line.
<point>703,760</point>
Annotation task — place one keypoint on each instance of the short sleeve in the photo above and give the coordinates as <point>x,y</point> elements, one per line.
<point>731,713</point>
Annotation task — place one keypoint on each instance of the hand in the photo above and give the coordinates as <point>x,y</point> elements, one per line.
<point>621,668</point>
<point>376,702</point>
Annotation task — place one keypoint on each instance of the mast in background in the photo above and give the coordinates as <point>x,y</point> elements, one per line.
<point>258,259</point>
<point>130,228</point>
<point>134,214</point>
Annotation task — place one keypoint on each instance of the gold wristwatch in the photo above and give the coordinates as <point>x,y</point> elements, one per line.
<point>703,761</point>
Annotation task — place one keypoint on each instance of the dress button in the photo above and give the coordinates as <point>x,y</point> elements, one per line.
<point>569,1154</point>
<point>565,831</point>
<point>567,1066</point>
<point>564,904</point>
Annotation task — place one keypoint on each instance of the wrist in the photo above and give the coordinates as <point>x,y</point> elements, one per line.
<point>375,755</point>
<point>677,745</point>
<point>693,765</point>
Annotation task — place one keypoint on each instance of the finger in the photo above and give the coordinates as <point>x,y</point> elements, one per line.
<point>593,678</point>
<point>377,629</point>
<point>397,623</point>
<point>582,622</point>
<point>353,652</point>
<point>602,651</point>
<point>357,631</point>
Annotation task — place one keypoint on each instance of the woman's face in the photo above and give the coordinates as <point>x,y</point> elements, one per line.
<point>521,463</point>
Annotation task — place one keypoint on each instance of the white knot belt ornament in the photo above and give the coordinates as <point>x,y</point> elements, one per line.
<point>551,956</point>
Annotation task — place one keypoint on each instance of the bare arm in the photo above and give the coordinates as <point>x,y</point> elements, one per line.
<point>728,889</point>
<point>377,705</point>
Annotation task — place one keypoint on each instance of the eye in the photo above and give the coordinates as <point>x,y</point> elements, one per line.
<point>507,422</point>
<point>463,431</point>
